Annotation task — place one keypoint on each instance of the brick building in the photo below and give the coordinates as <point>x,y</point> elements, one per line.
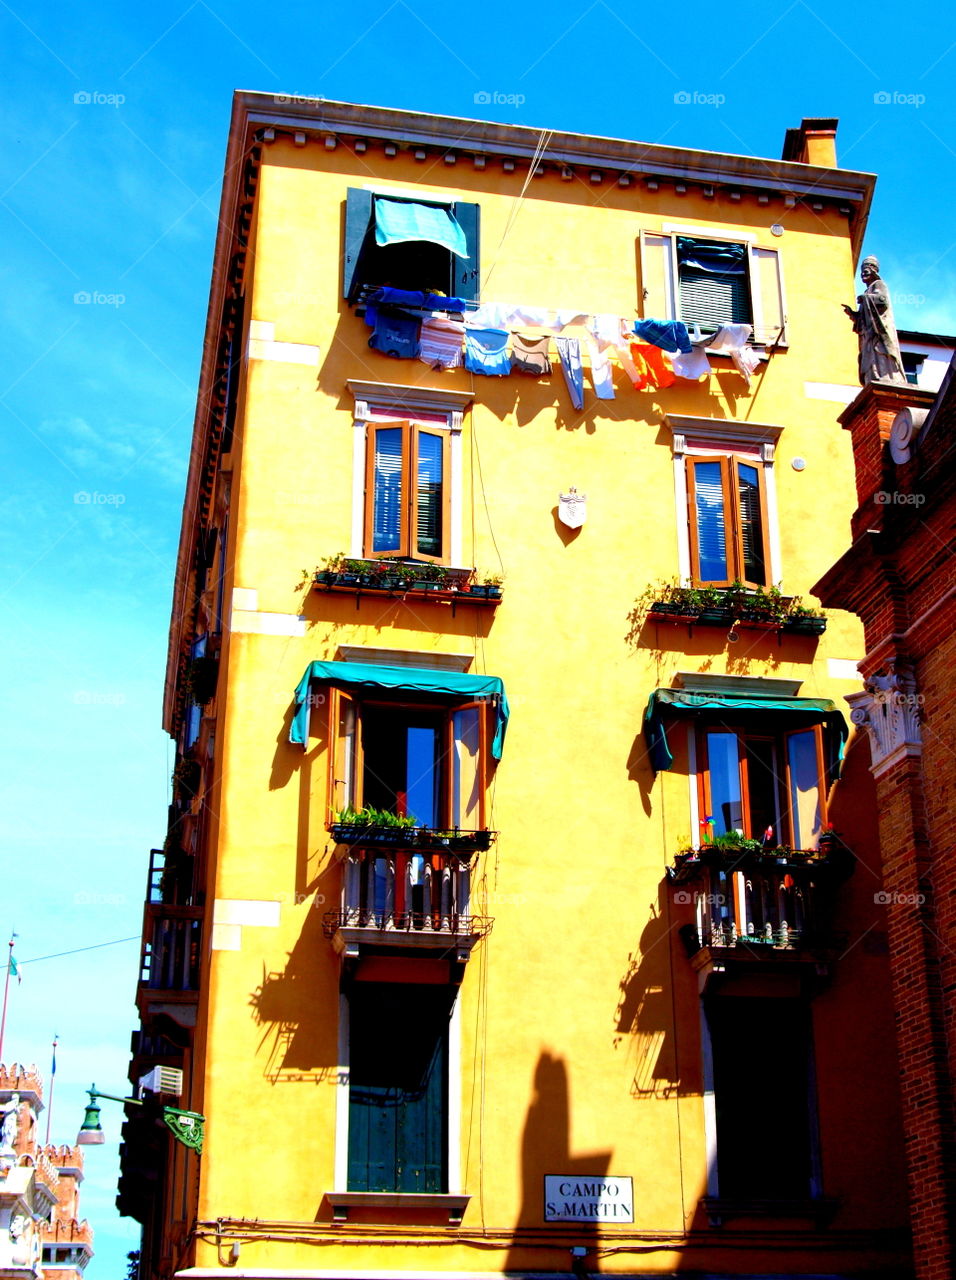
<point>41,1232</point>
<point>899,576</point>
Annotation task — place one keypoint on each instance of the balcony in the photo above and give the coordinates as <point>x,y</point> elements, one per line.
<point>771,908</point>
<point>405,899</point>
<point>169,973</point>
<point>407,580</point>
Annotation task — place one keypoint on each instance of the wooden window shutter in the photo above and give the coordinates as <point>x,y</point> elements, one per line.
<point>358,224</point>
<point>465,272</point>
<point>656,298</point>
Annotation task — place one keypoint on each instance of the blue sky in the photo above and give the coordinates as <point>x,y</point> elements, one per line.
<point>109,187</point>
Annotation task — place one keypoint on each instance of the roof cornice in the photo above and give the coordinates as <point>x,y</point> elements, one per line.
<point>521,142</point>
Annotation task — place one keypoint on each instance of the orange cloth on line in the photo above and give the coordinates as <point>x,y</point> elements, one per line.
<point>651,368</point>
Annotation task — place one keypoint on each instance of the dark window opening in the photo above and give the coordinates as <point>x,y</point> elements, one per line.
<point>713,282</point>
<point>398,1087</point>
<point>913,362</point>
<point>402,757</point>
<point>762,1092</point>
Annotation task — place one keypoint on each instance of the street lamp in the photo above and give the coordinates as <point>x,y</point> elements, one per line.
<point>185,1126</point>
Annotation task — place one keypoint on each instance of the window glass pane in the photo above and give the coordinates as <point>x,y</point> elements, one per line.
<point>387,506</point>
<point>467,796</point>
<point>711,522</point>
<point>725,797</point>
<point>421,784</point>
<point>428,535</point>
<point>751,525</point>
<point>762,788</point>
<point>804,789</point>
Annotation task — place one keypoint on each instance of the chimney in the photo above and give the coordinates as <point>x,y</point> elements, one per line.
<point>813,143</point>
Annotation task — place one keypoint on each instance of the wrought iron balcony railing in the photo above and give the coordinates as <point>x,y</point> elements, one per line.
<point>405,898</point>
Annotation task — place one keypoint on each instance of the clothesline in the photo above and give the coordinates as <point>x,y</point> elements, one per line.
<point>440,332</point>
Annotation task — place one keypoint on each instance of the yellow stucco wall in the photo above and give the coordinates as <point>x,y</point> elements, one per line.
<point>575,881</point>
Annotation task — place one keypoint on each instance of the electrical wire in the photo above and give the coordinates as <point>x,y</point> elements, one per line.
<point>76,950</point>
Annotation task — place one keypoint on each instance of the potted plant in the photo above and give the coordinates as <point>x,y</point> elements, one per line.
<point>804,621</point>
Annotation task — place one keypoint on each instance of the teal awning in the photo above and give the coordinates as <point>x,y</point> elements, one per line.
<point>366,675</point>
<point>687,701</point>
<point>399,220</point>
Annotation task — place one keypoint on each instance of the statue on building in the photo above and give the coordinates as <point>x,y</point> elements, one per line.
<point>880,359</point>
<point>11,1122</point>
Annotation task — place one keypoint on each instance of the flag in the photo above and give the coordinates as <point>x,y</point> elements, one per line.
<point>14,970</point>
<point>53,1063</point>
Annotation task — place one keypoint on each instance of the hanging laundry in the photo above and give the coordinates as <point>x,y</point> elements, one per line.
<point>490,315</point>
<point>486,351</point>
<point>669,335</point>
<point>601,378</point>
<point>441,343</point>
<point>734,340</point>
<point>650,362</point>
<point>562,319</point>
<point>396,334</point>
<point>530,355</point>
<point>385,296</point>
<point>607,330</point>
<point>543,317</point>
<point>695,364</point>
<point>638,379</point>
<point>569,353</point>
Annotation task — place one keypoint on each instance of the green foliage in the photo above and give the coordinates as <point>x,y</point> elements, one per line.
<point>371,817</point>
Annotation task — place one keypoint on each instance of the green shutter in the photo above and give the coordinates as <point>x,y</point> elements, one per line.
<point>358,220</point>
<point>465,278</point>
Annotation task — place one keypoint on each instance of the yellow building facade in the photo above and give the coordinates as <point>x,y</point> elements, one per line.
<point>520,911</point>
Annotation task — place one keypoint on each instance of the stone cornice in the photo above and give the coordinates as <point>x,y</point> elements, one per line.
<point>521,142</point>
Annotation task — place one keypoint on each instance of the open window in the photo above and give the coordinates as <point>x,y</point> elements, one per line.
<point>407,491</point>
<point>421,760</point>
<point>712,280</point>
<point>727,518</point>
<point>411,242</point>
<point>752,779</point>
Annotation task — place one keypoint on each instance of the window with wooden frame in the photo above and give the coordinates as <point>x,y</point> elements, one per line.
<point>407,491</point>
<point>727,515</point>
<point>752,780</point>
<point>426,760</point>
<point>713,279</point>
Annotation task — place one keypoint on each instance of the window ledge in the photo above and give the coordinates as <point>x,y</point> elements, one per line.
<point>343,1201</point>
<point>818,1209</point>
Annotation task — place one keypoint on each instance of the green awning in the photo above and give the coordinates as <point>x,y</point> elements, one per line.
<point>397,221</point>
<point>667,702</point>
<point>366,675</point>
